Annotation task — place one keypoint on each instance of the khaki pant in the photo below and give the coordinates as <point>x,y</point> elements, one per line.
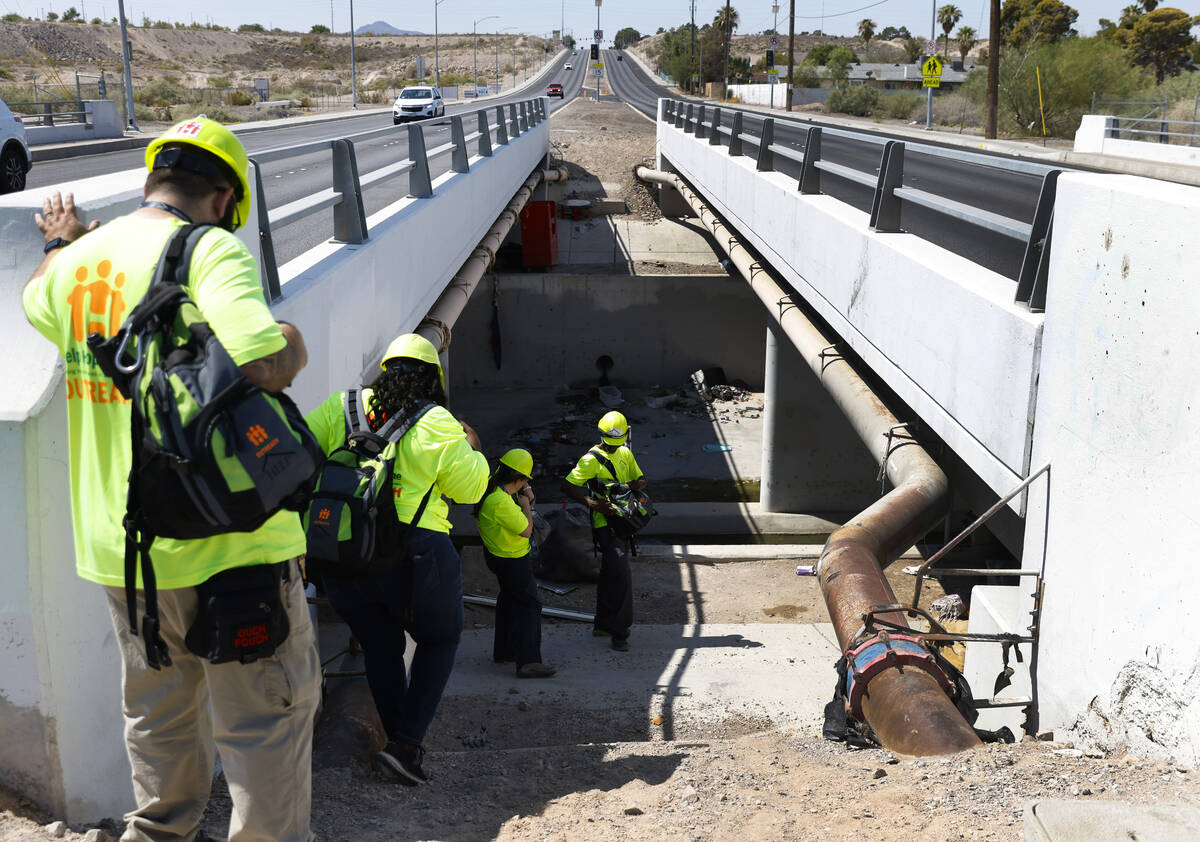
<point>259,716</point>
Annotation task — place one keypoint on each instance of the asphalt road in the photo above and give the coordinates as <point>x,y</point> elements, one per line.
<point>986,187</point>
<point>291,179</point>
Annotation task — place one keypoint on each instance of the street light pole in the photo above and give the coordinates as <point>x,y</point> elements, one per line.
<point>933,41</point>
<point>475,51</point>
<point>353,66</point>
<point>128,73</point>
<point>774,38</point>
<point>598,2</point>
<point>787,89</point>
<point>437,70</point>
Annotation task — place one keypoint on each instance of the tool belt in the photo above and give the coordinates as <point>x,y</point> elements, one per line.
<point>241,614</point>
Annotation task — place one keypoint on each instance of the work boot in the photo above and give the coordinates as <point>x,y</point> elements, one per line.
<point>403,761</point>
<point>536,670</point>
<point>620,644</point>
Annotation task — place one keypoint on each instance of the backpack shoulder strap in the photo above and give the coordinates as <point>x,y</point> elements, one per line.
<point>351,411</point>
<point>191,236</point>
<point>395,428</point>
<point>606,462</point>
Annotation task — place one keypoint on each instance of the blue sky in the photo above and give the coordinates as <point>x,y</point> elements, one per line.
<point>841,17</point>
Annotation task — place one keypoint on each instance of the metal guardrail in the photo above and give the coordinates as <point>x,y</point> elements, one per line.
<point>1176,132</point>
<point>890,194</point>
<point>344,195</point>
<point>46,112</point>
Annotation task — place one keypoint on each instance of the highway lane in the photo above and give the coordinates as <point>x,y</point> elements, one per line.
<point>291,179</point>
<point>991,188</point>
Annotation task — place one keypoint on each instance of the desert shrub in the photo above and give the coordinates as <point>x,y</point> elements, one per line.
<point>240,98</point>
<point>213,112</point>
<point>218,82</point>
<point>251,27</point>
<point>859,100</point>
<point>900,106</point>
<point>955,109</point>
<point>311,44</point>
<point>161,93</point>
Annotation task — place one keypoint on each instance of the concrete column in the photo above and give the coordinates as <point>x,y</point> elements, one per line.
<point>812,461</point>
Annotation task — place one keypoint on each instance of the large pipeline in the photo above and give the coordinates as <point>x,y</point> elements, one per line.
<point>907,706</point>
<point>438,323</point>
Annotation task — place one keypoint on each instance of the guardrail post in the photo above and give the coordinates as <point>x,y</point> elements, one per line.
<point>349,217</point>
<point>458,157</point>
<point>810,174</point>
<point>1031,282</point>
<point>698,128</point>
<point>268,271</point>
<point>885,207</point>
<point>515,126</point>
<point>679,115</point>
<point>714,132</point>
<point>735,135</point>
<point>688,125</point>
<point>522,117</point>
<point>501,127</point>
<point>485,134</point>
<point>418,179</point>
<point>766,158</point>
<point>665,112</point>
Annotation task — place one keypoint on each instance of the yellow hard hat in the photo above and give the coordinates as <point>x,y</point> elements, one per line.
<point>519,460</point>
<point>614,429</point>
<point>214,139</point>
<point>415,347</point>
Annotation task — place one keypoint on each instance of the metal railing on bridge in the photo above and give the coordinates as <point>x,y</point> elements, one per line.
<point>345,193</point>
<point>738,130</point>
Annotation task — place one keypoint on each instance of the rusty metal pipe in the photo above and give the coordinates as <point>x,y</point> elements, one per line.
<point>439,322</point>
<point>907,709</point>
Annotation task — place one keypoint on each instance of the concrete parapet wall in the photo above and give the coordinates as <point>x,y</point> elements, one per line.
<point>1092,137</point>
<point>60,708</point>
<point>1118,419</point>
<point>103,120</point>
<point>941,331</point>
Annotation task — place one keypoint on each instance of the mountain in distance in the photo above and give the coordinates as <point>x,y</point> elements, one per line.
<point>380,27</point>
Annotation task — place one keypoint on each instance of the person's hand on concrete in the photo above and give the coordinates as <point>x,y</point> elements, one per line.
<point>59,218</point>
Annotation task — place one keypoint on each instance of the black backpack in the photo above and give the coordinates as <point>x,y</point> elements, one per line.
<point>212,452</point>
<point>634,507</point>
<point>350,520</point>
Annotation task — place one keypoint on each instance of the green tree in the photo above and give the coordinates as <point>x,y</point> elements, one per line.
<point>1160,40</point>
<point>251,27</point>
<point>319,29</point>
<point>739,69</point>
<point>866,30</point>
<point>912,50</point>
<point>838,65</point>
<point>71,15</point>
<point>820,54</point>
<point>625,37</point>
<point>966,41</point>
<point>52,16</point>
<point>1036,21</point>
<point>12,17</point>
<point>96,20</point>
<point>947,17</point>
<point>568,42</point>
<point>889,33</point>
<point>719,19</point>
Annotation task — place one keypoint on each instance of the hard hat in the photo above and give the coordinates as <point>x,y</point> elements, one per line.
<point>214,139</point>
<point>413,346</point>
<point>519,460</point>
<point>614,429</point>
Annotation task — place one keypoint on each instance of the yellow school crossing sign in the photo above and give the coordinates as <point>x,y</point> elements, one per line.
<point>931,73</point>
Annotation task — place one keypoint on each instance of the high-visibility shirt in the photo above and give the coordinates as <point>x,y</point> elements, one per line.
<point>589,468</point>
<point>90,287</point>
<point>433,453</point>
<point>501,522</point>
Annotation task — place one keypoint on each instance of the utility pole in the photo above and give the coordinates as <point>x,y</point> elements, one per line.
<point>774,38</point>
<point>692,57</point>
<point>933,41</point>
<point>991,119</point>
<point>728,35</point>
<point>331,29</point>
<point>437,70</point>
<point>598,53</point>
<point>126,53</point>
<point>787,90</point>
<point>353,66</point>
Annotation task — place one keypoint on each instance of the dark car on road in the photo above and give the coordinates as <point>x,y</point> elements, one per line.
<point>554,89</point>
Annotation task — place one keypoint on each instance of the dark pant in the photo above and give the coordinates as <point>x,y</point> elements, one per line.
<point>614,590</point>
<point>373,608</point>
<point>518,611</point>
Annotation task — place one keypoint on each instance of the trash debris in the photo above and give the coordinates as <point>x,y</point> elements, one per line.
<point>610,396</point>
<point>633,811</point>
<point>478,740</point>
<point>706,378</point>
<point>561,591</point>
<point>948,607</point>
<point>524,706</point>
<point>806,570</point>
<point>717,448</point>
<point>665,401</point>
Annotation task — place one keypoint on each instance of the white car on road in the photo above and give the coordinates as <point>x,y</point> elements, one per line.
<point>15,158</point>
<point>418,102</point>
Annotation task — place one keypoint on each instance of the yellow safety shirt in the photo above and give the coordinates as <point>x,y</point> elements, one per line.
<point>589,467</point>
<point>90,287</point>
<point>434,452</point>
<point>501,522</point>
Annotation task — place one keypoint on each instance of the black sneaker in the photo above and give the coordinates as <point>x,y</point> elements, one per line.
<point>403,761</point>
<point>621,644</point>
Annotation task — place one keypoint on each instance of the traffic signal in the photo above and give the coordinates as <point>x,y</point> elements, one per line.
<point>770,59</point>
<point>595,52</point>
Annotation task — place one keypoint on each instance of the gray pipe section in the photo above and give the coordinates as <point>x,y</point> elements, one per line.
<point>907,709</point>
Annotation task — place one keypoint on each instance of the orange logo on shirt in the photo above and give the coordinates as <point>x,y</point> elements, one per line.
<point>256,434</point>
<point>92,300</point>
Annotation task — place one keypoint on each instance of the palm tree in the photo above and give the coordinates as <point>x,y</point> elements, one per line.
<point>866,30</point>
<point>948,16</point>
<point>966,40</point>
<point>726,20</point>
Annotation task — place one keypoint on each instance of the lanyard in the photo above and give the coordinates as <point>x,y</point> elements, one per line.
<point>168,208</point>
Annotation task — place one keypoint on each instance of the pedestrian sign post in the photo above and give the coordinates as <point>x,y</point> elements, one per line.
<point>931,73</point>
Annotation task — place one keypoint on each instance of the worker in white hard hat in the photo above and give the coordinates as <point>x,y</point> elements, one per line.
<point>611,461</point>
<point>505,519</point>
<point>439,454</point>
